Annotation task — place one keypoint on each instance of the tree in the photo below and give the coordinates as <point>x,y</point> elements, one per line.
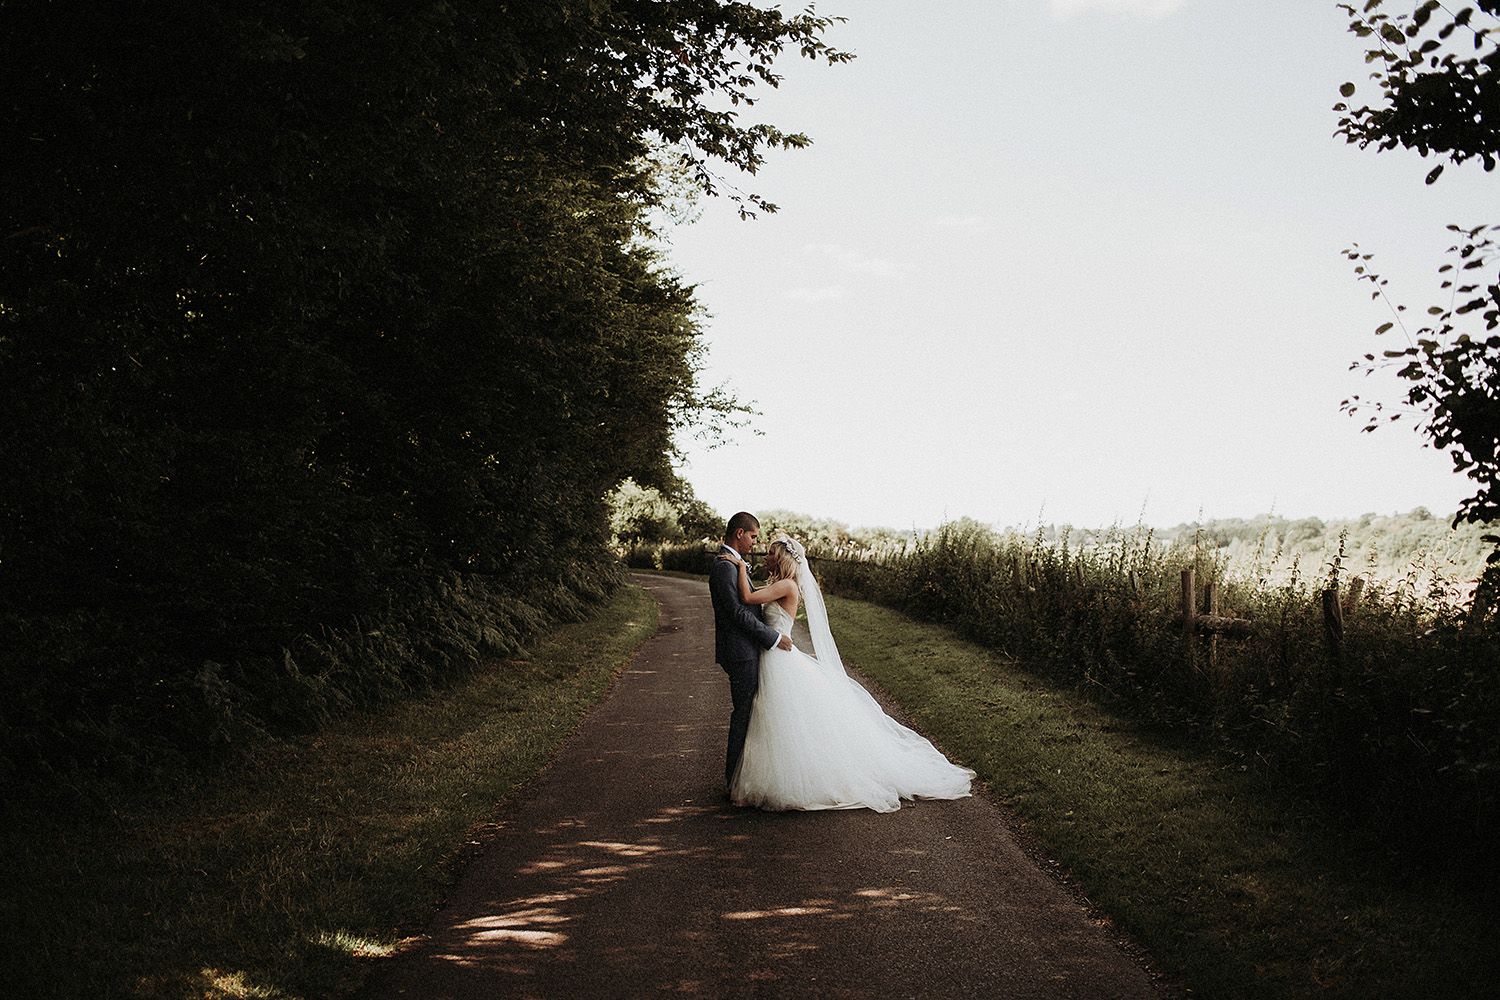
<point>647,514</point>
<point>1438,73</point>
<point>641,514</point>
<point>315,314</point>
<point>697,519</point>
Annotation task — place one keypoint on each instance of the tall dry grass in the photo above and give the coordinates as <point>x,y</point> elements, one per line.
<point>1394,721</point>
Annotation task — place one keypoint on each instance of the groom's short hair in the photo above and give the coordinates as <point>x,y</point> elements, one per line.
<point>743,521</point>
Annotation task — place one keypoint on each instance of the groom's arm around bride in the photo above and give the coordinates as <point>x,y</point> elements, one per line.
<point>739,634</point>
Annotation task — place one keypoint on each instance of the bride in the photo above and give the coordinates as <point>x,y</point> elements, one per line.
<point>817,739</point>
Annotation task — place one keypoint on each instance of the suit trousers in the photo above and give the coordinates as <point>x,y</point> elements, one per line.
<point>744,681</point>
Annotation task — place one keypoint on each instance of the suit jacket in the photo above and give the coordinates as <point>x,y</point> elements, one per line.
<point>739,633</point>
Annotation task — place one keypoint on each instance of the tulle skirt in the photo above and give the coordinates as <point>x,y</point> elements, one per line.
<point>817,740</point>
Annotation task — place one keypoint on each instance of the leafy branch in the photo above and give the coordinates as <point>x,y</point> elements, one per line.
<point>1452,377</point>
<point>1436,71</point>
<point>1438,98</point>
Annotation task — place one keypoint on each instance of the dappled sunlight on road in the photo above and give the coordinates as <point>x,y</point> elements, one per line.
<point>579,869</point>
<point>580,888</point>
<point>858,902</point>
<point>520,927</point>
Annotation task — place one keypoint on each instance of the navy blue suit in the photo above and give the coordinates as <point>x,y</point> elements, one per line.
<point>739,637</point>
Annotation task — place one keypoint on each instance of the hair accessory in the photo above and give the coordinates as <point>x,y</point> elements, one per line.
<point>794,547</point>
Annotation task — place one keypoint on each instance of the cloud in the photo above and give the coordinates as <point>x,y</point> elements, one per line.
<point>828,293</point>
<point>1064,9</point>
<point>854,262</point>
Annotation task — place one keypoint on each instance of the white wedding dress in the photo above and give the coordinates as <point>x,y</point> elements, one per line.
<point>818,740</point>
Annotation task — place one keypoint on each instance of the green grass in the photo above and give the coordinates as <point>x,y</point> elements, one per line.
<point>278,878</point>
<point>1237,889</point>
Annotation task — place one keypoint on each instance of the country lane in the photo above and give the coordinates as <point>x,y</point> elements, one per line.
<point>621,871</point>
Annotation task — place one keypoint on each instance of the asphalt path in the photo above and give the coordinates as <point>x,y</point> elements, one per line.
<point>621,871</point>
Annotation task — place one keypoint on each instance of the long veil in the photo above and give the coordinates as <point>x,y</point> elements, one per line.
<point>824,648</point>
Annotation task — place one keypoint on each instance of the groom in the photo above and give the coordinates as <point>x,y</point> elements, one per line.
<point>739,634</point>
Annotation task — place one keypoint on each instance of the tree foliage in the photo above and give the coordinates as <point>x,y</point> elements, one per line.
<point>1438,73</point>
<point>640,514</point>
<point>1453,377</point>
<point>317,316</point>
<point>1441,93</point>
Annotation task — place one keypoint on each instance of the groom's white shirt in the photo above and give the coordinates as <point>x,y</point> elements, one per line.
<point>726,548</point>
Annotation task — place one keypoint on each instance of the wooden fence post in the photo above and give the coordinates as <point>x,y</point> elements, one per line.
<point>1212,622</point>
<point>1333,616</point>
<point>1356,588</point>
<point>1211,598</point>
<point>1190,617</point>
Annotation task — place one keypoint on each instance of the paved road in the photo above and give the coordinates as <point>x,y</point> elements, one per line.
<point>621,872</point>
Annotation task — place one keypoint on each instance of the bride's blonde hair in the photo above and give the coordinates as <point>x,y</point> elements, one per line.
<point>786,564</point>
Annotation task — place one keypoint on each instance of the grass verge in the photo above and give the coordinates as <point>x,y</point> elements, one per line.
<point>275,880</point>
<point>1237,889</point>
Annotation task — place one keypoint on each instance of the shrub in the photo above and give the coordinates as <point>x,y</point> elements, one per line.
<point>687,557</point>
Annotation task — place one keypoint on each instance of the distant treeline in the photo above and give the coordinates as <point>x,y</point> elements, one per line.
<point>1383,543</point>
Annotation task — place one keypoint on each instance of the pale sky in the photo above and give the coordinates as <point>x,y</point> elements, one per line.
<point>1070,262</point>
